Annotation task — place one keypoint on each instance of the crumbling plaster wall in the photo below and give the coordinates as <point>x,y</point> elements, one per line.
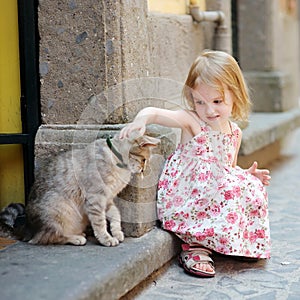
<point>90,46</point>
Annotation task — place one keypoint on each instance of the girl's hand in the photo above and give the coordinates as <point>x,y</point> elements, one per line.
<point>136,125</point>
<point>261,174</point>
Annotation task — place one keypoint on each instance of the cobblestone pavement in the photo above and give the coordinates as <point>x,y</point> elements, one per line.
<point>277,278</point>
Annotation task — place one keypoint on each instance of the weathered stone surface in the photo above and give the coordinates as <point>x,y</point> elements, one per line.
<point>268,35</point>
<point>270,91</point>
<point>91,48</point>
<point>82,272</point>
<point>71,52</point>
<point>266,128</point>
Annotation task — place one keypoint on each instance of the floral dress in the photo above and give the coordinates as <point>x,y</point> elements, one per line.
<point>204,200</point>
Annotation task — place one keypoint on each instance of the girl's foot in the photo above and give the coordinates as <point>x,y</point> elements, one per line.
<point>195,260</point>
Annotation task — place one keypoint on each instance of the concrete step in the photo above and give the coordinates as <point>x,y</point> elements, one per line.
<point>30,272</point>
<point>265,137</point>
<point>266,128</point>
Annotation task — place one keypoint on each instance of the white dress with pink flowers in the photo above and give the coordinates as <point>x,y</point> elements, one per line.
<point>204,200</point>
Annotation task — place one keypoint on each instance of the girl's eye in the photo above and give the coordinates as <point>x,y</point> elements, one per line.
<point>200,102</point>
<point>218,101</point>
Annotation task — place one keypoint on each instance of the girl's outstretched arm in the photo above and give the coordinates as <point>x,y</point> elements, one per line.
<point>159,116</point>
<point>262,174</point>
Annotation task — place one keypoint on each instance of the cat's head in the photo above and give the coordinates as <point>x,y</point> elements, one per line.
<point>140,152</point>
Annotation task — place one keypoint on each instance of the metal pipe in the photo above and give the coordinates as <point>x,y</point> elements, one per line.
<point>222,39</point>
<point>210,16</point>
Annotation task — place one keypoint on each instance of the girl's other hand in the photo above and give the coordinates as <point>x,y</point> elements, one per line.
<point>262,174</point>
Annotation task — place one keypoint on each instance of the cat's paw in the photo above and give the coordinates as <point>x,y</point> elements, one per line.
<point>77,240</point>
<point>110,242</point>
<point>119,235</point>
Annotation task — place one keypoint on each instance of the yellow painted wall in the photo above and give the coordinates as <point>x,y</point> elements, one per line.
<point>11,161</point>
<point>179,7</point>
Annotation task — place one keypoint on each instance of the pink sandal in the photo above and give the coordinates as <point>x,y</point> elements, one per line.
<point>194,254</point>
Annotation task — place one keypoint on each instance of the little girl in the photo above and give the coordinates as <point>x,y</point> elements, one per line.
<point>203,196</point>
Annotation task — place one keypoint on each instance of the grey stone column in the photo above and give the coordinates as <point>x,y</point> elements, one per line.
<point>269,54</point>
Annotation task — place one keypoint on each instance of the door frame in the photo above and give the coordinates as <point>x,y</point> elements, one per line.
<point>30,92</point>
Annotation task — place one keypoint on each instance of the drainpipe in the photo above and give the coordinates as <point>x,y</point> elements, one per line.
<point>222,38</point>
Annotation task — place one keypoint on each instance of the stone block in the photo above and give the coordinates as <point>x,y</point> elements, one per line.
<point>265,137</point>
<point>267,128</point>
<point>270,91</point>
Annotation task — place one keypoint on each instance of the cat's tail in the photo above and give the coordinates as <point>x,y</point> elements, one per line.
<point>13,221</point>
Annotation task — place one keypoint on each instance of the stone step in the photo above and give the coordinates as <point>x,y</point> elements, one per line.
<point>264,137</point>
<point>266,128</point>
<point>30,272</point>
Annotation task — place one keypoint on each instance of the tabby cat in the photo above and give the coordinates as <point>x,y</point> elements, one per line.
<point>77,189</point>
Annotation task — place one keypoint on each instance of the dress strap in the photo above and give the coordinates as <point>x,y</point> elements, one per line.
<point>231,125</point>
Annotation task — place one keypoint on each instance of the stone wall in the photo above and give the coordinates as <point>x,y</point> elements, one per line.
<point>88,47</point>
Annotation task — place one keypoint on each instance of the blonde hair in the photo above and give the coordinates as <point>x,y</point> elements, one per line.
<point>219,70</point>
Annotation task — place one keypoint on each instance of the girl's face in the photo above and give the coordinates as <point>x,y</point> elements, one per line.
<point>211,106</point>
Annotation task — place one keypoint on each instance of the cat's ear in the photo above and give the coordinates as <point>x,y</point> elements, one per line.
<point>147,141</point>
